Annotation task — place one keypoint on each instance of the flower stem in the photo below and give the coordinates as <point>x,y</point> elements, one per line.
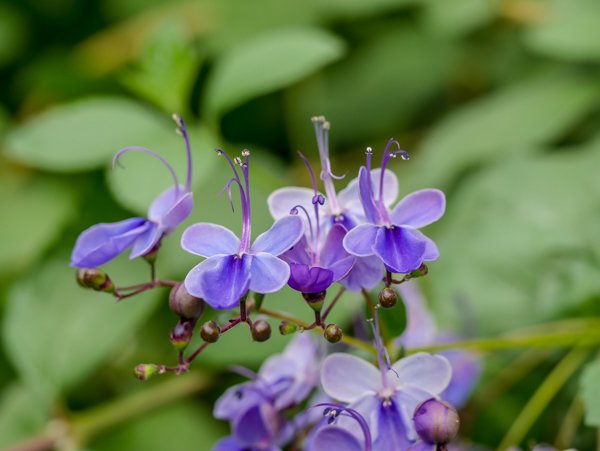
<point>333,302</point>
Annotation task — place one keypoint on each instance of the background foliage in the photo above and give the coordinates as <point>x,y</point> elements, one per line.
<point>497,101</point>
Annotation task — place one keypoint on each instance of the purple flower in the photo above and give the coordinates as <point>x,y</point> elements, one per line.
<point>393,236</point>
<point>233,266</point>
<point>344,209</point>
<point>386,399</point>
<point>103,242</point>
<point>255,407</point>
<point>317,262</point>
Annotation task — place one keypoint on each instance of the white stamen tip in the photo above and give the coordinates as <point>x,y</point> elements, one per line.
<point>245,153</point>
<point>177,118</point>
<point>369,150</point>
<point>238,161</point>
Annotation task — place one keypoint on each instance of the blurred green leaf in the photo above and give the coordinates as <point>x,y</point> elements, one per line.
<point>140,178</point>
<point>520,242</point>
<point>166,69</point>
<point>344,9</point>
<point>57,333</point>
<point>458,17</point>
<point>509,121</point>
<point>267,63</point>
<point>13,33</point>
<point>567,30</point>
<point>26,203</point>
<point>590,392</point>
<point>181,426</point>
<point>22,415</point>
<point>85,134</point>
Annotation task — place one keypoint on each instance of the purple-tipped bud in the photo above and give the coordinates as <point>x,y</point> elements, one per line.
<point>182,333</point>
<point>315,300</point>
<point>96,279</point>
<point>261,330</point>
<point>184,304</point>
<point>210,332</point>
<point>333,333</point>
<point>421,271</point>
<point>286,328</point>
<point>145,371</point>
<point>388,297</point>
<point>436,422</point>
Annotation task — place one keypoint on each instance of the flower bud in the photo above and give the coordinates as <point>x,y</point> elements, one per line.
<point>388,297</point>
<point>421,271</point>
<point>436,422</point>
<point>184,304</point>
<point>96,279</point>
<point>333,333</point>
<point>145,371</point>
<point>210,331</point>
<point>182,333</point>
<point>315,300</point>
<point>151,255</point>
<point>286,328</point>
<point>261,330</point>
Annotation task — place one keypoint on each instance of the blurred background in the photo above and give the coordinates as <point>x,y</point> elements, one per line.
<point>498,102</point>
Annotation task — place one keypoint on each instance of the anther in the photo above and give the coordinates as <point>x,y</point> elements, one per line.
<point>177,118</point>
<point>369,150</point>
<point>238,161</point>
<point>245,153</point>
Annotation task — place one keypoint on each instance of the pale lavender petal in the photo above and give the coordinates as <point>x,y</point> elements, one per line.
<point>341,268</point>
<point>227,444</point>
<point>298,253</point>
<point>366,273</point>
<point>146,241</point>
<point>333,249</point>
<point>308,279</point>
<point>420,326</point>
<point>400,248</point>
<point>407,400</point>
<point>103,242</point>
<point>268,273</point>
<point>206,239</point>
<point>391,431</point>
<point>282,200</point>
<point>334,438</point>
<point>366,407</point>
<point>220,280</point>
<point>427,372</point>
<point>420,208</point>
<point>178,213</point>
<point>422,446</point>
<point>431,250</point>
<point>282,235</point>
<point>466,369</point>
<point>236,400</point>
<point>164,202</point>
<point>347,378</point>
<point>360,240</point>
<point>349,198</point>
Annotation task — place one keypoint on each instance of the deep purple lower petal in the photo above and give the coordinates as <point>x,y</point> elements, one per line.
<point>308,279</point>
<point>258,426</point>
<point>391,430</point>
<point>334,438</point>
<point>400,248</point>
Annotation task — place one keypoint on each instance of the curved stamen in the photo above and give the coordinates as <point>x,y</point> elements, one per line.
<point>294,211</point>
<point>322,134</point>
<point>243,371</point>
<point>227,188</point>
<point>384,162</point>
<point>383,357</point>
<point>182,130</point>
<point>335,409</point>
<point>151,153</point>
<point>317,200</point>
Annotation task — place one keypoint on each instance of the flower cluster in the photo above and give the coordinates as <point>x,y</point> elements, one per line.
<point>308,396</point>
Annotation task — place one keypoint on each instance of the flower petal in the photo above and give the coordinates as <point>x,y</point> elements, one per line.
<point>466,369</point>
<point>268,273</point>
<point>333,249</point>
<point>366,273</point>
<point>103,242</point>
<point>427,372</point>
<point>367,199</point>
<point>236,400</point>
<point>420,327</point>
<point>400,248</point>
<point>307,279</point>
<point>282,235</point>
<point>349,198</point>
<point>407,400</point>
<point>258,426</point>
<point>347,378</point>
<point>178,213</point>
<point>164,202</point>
<point>146,241</point>
<point>282,200</point>
<point>334,437</point>
<point>360,240</point>
<point>298,253</point>
<point>206,239</point>
<point>220,280</point>
<point>420,208</point>
<point>391,433</point>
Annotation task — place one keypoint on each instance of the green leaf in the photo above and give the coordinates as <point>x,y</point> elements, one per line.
<point>26,201</point>
<point>269,62</point>
<point>13,33</point>
<point>140,178</point>
<point>590,392</point>
<point>22,415</point>
<point>166,69</point>
<point>520,242</point>
<point>567,30</point>
<point>536,111</point>
<point>57,333</point>
<point>458,17</point>
<point>85,134</point>
<point>180,426</point>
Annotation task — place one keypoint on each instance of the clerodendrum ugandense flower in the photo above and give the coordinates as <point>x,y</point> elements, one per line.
<point>393,236</point>
<point>233,265</point>
<point>343,208</point>
<point>103,242</point>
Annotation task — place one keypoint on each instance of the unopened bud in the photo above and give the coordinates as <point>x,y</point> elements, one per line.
<point>182,333</point>
<point>184,304</point>
<point>96,279</point>
<point>145,371</point>
<point>315,300</point>
<point>210,331</point>
<point>388,297</point>
<point>286,328</point>
<point>261,330</point>
<point>421,271</point>
<point>333,333</point>
<point>436,422</point>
